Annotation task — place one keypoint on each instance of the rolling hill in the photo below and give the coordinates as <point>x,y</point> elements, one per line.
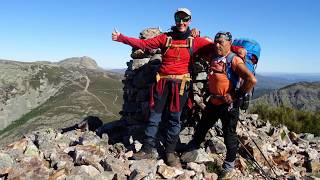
<point>300,96</point>
<point>44,94</point>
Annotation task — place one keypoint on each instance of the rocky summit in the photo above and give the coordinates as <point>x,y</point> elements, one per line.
<point>89,151</point>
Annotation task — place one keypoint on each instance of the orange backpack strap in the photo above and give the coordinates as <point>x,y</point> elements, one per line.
<point>189,44</point>
<point>168,41</point>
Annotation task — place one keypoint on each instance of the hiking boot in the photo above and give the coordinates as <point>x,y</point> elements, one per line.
<point>142,154</point>
<point>226,175</point>
<point>172,160</point>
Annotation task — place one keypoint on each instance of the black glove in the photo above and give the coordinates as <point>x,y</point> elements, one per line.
<point>245,101</point>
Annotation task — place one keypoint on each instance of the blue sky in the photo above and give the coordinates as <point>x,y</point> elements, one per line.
<point>35,30</point>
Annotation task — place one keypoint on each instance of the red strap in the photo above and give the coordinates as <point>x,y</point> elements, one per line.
<point>160,86</point>
<point>151,100</point>
<point>159,90</point>
<point>175,101</point>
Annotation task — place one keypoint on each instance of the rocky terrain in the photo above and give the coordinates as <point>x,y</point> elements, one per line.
<point>78,153</point>
<point>301,96</point>
<point>43,94</point>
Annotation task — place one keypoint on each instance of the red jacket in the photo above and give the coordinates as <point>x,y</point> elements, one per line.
<point>175,61</point>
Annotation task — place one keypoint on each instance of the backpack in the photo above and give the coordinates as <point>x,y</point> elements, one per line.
<point>253,49</point>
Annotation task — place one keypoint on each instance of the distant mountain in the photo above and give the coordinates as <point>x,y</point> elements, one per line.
<point>301,96</point>
<point>295,77</point>
<point>267,82</point>
<point>79,62</point>
<point>43,94</point>
<point>120,71</point>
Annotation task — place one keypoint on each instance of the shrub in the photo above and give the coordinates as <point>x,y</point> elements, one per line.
<point>296,120</point>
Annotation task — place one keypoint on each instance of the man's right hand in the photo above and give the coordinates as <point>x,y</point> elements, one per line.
<point>242,52</point>
<point>228,98</point>
<point>115,35</point>
<point>195,32</point>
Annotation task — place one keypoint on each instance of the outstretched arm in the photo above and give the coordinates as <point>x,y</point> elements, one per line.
<point>152,43</point>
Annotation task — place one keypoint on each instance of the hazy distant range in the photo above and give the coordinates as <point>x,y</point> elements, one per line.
<point>270,81</point>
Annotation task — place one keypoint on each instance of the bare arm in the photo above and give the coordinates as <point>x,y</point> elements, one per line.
<point>249,79</point>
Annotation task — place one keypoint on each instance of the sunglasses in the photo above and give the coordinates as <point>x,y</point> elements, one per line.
<point>226,35</point>
<point>184,19</point>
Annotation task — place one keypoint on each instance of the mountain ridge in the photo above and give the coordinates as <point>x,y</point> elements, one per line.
<point>37,94</point>
<point>301,95</point>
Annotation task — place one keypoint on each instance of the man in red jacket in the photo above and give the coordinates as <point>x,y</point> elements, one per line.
<point>170,91</point>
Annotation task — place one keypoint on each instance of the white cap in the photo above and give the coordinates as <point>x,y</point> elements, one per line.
<point>185,10</point>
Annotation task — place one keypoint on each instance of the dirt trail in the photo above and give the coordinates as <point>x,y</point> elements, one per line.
<point>85,89</point>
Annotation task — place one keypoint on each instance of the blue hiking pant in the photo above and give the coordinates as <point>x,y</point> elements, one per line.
<point>173,127</point>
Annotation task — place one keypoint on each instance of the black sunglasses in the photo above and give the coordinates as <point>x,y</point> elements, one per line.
<point>184,19</point>
<point>226,35</point>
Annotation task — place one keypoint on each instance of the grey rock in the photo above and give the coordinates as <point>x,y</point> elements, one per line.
<point>5,160</point>
<point>168,172</point>
<point>149,33</point>
<point>216,145</point>
<point>105,175</point>
<point>210,176</point>
<point>196,167</point>
<point>307,136</point>
<point>79,177</point>
<point>198,176</point>
<point>116,165</point>
<point>202,76</point>
<point>89,138</point>
<point>31,149</point>
<point>198,156</point>
<point>145,168</point>
<point>137,63</point>
<point>86,170</point>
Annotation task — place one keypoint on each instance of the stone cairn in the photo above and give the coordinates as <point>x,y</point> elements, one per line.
<point>139,76</point>
<point>90,150</point>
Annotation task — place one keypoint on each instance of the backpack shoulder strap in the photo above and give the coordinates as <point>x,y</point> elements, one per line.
<point>190,42</point>
<point>230,57</point>
<point>189,45</point>
<point>232,76</point>
<point>168,41</point>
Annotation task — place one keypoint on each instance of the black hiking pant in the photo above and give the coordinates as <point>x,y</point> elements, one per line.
<point>229,119</point>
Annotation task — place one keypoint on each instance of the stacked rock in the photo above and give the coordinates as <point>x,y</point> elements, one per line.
<point>139,77</point>
<point>199,95</point>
